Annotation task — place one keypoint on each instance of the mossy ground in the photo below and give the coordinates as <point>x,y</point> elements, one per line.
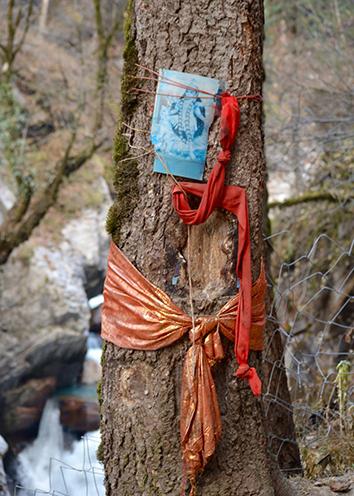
<point>331,454</point>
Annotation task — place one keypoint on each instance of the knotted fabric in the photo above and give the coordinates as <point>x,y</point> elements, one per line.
<point>138,315</point>
<point>215,194</point>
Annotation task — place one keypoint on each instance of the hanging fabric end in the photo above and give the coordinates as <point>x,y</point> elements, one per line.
<point>246,372</point>
<point>193,491</point>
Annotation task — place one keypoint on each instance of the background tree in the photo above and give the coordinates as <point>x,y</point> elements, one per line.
<point>315,140</point>
<point>140,391</point>
<point>34,200</point>
<point>310,148</point>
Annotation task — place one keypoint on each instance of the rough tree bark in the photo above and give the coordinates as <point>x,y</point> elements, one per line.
<point>140,391</point>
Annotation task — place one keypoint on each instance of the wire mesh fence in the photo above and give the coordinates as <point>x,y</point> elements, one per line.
<point>77,473</point>
<point>312,310</point>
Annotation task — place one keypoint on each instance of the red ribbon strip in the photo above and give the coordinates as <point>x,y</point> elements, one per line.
<point>215,194</point>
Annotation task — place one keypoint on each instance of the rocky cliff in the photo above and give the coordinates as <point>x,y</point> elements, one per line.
<point>47,281</point>
<point>44,293</point>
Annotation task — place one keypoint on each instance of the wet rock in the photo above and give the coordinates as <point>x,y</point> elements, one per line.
<point>40,130</point>
<point>342,484</point>
<point>53,351</point>
<point>87,238</point>
<point>23,405</point>
<point>331,486</point>
<point>95,321</point>
<point>79,414</point>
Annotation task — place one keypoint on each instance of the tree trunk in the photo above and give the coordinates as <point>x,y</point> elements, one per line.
<point>43,16</point>
<point>140,390</point>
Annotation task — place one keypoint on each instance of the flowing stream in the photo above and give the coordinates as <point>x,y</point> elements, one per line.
<point>52,466</point>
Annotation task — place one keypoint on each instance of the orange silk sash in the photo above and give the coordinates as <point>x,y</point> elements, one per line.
<point>138,315</point>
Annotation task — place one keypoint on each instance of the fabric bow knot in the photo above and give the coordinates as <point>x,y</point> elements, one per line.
<point>206,333</point>
<point>244,371</point>
<point>224,156</point>
<point>138,315</point>
<point>202,327</point>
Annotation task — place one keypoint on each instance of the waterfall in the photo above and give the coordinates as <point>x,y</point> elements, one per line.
<point>34,460</point>
<point>47,467</point>
<point>94,348</point>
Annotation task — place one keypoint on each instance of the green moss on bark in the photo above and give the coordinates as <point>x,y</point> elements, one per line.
<point>126,172</point>
<point>100,449</point>
<point>100,452</point>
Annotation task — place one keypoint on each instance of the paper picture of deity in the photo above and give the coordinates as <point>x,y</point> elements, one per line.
<point>181,120</point>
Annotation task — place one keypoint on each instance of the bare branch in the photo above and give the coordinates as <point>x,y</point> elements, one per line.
<point>10,48</point>
<point>310,196</point>
<point>26,27</point>
<point>19,209</point>
<point>104,41</point>
<point>13,234</point>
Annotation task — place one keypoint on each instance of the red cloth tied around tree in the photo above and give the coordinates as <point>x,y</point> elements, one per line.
<point>215,194</point>
<point>138,315</point>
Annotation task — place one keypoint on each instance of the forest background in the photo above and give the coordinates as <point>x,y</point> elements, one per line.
<point>59,96</point>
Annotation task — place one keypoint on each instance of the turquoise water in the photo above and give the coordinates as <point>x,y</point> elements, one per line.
<point>87,391</point>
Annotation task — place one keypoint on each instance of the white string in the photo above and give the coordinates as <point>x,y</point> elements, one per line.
<point>189,266</point>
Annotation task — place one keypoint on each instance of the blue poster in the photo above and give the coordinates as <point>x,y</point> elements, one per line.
<point>181,120</point>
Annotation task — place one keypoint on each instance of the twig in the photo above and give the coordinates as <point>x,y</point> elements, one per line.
<point>310,196</point>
